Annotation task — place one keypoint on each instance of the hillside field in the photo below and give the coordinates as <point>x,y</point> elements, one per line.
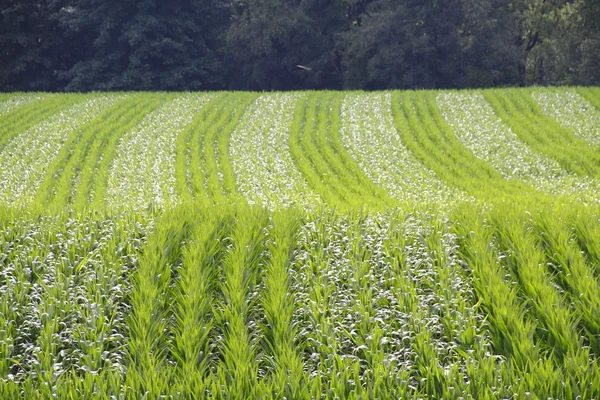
<point>300,245</point>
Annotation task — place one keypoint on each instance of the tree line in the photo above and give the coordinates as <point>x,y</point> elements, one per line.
<point>83,45</point>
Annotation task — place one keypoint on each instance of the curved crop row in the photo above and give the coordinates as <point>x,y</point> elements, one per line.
<point>259,152</point>
<point>219,175</point>
<point>519,111</point>
<point>425,132</point>
<point>28,116</point>
<point>24,161</point>
<point>222,149</point>
<point>591,94</point>
<point>142,175</point>
<point>61,176</point>
<point>346,150</point>
<point>307,116</point>
<point>89,186</point>
<point>208,175</point>
<point>341,163</point>
<point>473,121</point>
<point>189,177</point>
<point>316,121</point>
<point>370,136</point>
<point>572,111</point>
<point>9,103</point>
<point>64,174</point>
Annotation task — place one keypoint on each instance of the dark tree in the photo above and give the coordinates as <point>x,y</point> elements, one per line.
<point>588,71</point>
<point>147,45</point>
<point>33,45</point>
<point>410,44</point>
<point>268,38</point>
<point>489,54</point>
<point>82,45</point>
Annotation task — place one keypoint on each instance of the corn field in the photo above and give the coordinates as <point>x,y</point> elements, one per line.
<point>301,245</point>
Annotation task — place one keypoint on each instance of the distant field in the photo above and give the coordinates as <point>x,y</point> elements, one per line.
<point>347,150</point>
<point>429,244</point>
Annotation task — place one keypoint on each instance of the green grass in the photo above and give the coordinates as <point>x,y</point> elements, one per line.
<point>366,250</point>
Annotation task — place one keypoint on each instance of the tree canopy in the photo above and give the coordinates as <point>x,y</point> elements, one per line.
<point>83,45</point>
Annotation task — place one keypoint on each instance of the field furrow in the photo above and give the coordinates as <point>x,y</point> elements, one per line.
<point>473,121</point>
<point>572,111</point>
<point>142,175</point>
<point>259,153</point>
<point>24,160</point>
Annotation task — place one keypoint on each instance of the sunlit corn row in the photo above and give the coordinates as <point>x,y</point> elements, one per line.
<point>259,152</point>
<point>572,111</point>
<point>24,161</point>
<point>142,175</point>
<point>369,134</point>
<point>479,129</point>
<point>533,282</point>
<point>18,100</point>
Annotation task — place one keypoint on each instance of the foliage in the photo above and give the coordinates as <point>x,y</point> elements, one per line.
<point>84,45</point>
